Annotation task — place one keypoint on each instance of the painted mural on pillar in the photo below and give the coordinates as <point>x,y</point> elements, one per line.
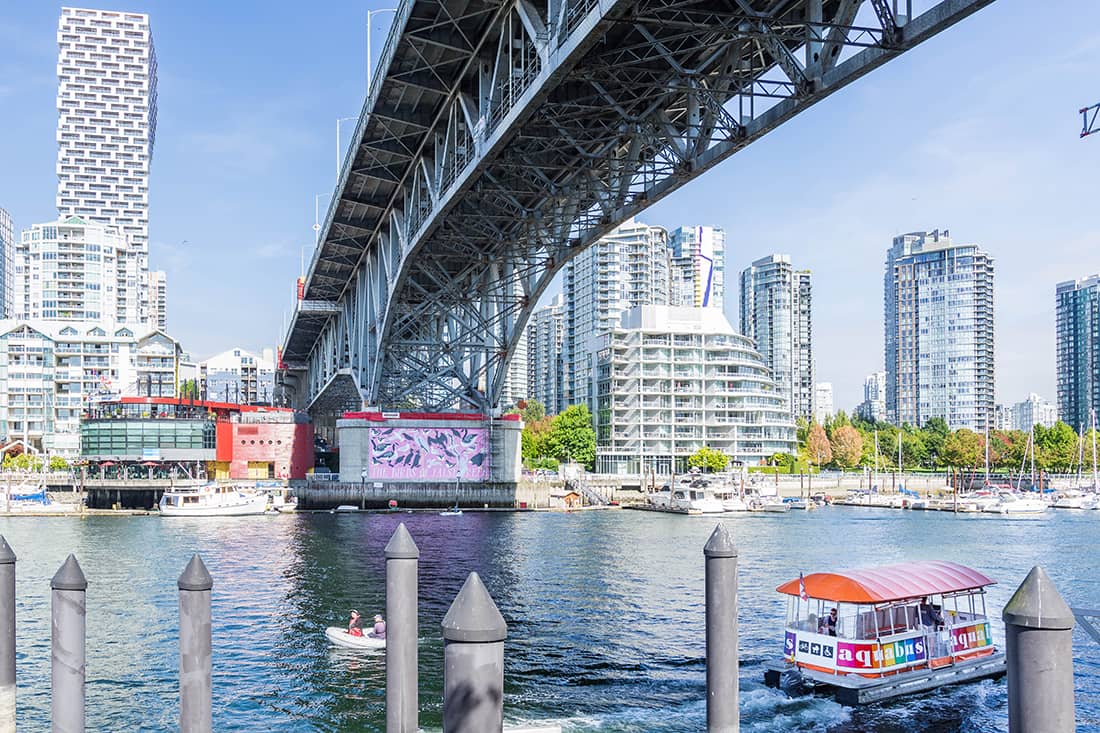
<point>457,454</point>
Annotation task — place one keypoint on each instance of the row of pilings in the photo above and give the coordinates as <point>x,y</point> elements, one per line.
<point>1039,627</point>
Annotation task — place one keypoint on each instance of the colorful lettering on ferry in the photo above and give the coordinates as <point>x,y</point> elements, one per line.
<point>790,644</point>
<point>856,655</point>
<point>968,638</point>
<point>905,651</point>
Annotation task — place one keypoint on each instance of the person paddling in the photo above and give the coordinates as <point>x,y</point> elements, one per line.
<point>355,624</point>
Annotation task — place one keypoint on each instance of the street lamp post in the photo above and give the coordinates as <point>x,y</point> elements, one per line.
<point>317,215</point>
<point>371,13</point>
<point>338,121</point>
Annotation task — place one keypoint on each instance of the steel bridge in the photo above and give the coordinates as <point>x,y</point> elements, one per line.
<point>502,137</point>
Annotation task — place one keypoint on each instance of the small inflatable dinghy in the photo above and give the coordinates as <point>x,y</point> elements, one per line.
<point>341,637</point>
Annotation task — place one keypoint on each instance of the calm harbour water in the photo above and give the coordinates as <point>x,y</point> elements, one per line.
<point>604,610</point>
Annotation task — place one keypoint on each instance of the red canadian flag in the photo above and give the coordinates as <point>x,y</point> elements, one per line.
<point>802,588</point>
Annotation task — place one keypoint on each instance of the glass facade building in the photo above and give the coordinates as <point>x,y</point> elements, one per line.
<point>1077,326</point>
<point>7,256</point>
<point>148,439</point>
<point>939,331</point>
<point>776,314</point>
<point>545,368</point>
<point>697,273</point>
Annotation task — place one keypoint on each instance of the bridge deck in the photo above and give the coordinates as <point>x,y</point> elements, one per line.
<point>505,137</point>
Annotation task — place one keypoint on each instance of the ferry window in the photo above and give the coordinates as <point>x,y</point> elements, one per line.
<point>190,499</point>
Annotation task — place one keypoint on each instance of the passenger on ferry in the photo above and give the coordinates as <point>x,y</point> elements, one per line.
<point>827,625</point>
<point>354,625</point>
<point>930,615</point>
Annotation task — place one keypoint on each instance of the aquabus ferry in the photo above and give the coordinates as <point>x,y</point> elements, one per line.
<point>874,633</point>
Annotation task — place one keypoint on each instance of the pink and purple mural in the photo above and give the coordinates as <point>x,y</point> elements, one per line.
<point>456,454</point>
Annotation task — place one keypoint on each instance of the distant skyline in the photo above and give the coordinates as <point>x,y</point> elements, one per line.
<point>941,137</point>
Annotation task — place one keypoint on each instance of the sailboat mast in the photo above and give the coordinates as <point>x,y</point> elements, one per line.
<point>1032,456</point>
<point>1092,419</point>
<point>987,453</point>
<point>874,477</point>
<point>1080,451</point>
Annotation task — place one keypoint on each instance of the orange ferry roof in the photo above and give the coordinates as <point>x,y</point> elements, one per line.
<point>889,582</point>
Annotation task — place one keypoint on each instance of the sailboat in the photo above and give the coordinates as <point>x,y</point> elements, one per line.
<point>1082,497</point>
<point>1012,503</point>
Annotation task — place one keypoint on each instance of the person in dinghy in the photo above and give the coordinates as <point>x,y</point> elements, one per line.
<point>355,627</point>
<point>379,630</point>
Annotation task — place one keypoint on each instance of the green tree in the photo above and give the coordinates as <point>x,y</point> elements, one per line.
<point>528,410</point>
<point>189,389</point>
<point>57,463</point>
<point>818,449</point>
<point>963,449</point>
<point>708,459</point>
<point>1055,447</point>
<point>802,431</point>
<point>914,451</point>
<point>934,433</point>
<point>535,441</point>
<point>572,437</point>
<point>533,410</point>
<point>847,446</point>
<point>1010,447</point>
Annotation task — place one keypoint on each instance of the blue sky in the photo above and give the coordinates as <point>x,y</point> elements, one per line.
<point>975,131</point>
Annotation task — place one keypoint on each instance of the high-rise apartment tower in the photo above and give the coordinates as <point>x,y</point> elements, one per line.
<point>776,304</point>
<point>1077,359</point>
<point>7,254</point>
<point>939,331</point>
<point>627,268</point>
<point>106,128</point>
<point>697,273</point>
<point>158,300</point>
<point>545,368</point>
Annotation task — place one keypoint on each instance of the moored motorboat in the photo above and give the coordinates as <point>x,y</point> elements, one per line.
<point>340,637</point>
<point>735,504</point>
<point>1014,504</point>
<point>211,500</point>
<point>870,634</point>
<point>696,500</point>
<point>774,504</point>
<point>1075,499</point>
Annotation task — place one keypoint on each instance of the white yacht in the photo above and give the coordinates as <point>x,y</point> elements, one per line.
<point>1075,499</point>
<point>696,499</point>
<point>1015,504</point>
<point>731,502</point>
<point>211,500</point>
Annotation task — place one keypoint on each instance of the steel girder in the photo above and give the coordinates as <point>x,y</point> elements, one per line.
<point>505,137</point>
<point>1088,120</point>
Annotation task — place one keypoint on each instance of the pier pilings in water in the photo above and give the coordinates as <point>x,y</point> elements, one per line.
<point>1039,654</point>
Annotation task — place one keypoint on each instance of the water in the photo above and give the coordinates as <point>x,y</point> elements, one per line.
<point>604,610</point>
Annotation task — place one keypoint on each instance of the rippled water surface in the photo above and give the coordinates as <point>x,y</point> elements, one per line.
<point>604,610</point>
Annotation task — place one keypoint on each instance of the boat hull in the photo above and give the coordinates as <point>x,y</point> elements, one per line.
<point>856,690</point>
<point>251,508</point>
<point>341,637</point>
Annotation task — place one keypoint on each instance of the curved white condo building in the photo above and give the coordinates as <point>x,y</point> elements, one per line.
<point>670,380</point>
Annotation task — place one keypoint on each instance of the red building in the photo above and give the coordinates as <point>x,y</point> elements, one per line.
<point>264,445</point>
<point>154,435</point>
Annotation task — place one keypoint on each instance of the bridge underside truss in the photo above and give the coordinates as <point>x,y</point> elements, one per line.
<point>505,137</point>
